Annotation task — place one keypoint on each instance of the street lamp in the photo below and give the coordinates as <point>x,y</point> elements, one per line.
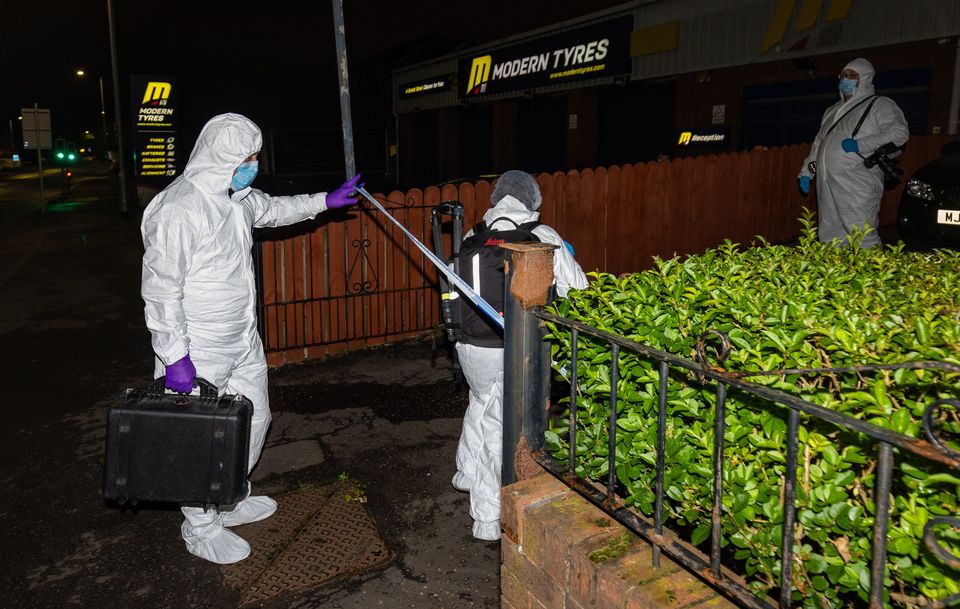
<point>103,111</point>
<point>13,142</point>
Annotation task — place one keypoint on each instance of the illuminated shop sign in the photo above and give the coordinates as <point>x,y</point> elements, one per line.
<point>595,51</point>
<point>153,100</point>
<point>422,87</point>
<point>704,138</point>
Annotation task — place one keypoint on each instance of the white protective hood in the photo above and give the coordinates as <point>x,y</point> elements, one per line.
<point>567,272</point>
<point>225,142</point>
<point>865,89</point>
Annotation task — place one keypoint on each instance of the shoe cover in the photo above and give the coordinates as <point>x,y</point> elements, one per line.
<point>224,548</point>
<point>249,510</point>
<point>487,531</point>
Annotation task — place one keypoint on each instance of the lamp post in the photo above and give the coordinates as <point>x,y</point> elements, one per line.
<point>103,109</point>
<point>121,145</point>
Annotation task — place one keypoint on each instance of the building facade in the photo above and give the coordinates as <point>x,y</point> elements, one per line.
<point>668,77</point>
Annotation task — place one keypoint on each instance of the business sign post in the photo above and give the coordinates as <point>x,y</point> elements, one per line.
<point>36,128</point>
<point>599,50</point>
<point>154,129</point>
<point>36,136</point>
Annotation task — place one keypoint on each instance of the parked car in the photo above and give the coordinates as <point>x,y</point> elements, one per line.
<point>929,212</point>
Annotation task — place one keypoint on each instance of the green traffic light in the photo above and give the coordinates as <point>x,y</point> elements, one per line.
<point>72,156</point>
<point>59,155</point>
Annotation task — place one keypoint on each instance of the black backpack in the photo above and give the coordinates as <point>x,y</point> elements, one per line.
<point>481,252</point>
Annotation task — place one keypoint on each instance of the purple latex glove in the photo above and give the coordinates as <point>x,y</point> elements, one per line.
<point>180,375</point>
<point>343,196</point>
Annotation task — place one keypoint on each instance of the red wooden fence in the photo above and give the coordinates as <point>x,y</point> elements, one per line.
<point>359,282</point>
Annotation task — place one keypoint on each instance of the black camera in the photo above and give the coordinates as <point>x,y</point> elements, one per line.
<point>884,157</point>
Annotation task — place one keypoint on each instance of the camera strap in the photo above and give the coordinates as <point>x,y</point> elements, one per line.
<point>872,99</point>
<point>863,117</point>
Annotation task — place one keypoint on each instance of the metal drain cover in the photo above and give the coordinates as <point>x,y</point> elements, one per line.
<point>315,537</point>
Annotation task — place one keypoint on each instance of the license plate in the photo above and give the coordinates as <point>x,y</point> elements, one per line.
<point>948,216</point>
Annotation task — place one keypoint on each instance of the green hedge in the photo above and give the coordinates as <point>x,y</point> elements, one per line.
<point>783,307</point>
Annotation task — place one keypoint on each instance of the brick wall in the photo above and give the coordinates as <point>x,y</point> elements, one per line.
<point>561,552</point>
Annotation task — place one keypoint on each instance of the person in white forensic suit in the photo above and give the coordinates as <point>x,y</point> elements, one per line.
<point>516,196</point>
<point>849,192</point>
<point>199,290</point>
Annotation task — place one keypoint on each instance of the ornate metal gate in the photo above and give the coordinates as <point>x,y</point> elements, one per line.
<point>347,280</point>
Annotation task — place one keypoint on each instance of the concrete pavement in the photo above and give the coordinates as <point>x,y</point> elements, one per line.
<point>73,339</point>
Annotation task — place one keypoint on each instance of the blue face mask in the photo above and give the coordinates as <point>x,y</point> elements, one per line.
<point>244,175</point>
<point>848,86</point>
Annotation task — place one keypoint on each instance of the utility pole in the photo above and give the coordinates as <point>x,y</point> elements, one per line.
<point>343,76</point>
<point>103,118</point>
<point>81,73</point>
<point>36,129</point>
<point>121,145</point>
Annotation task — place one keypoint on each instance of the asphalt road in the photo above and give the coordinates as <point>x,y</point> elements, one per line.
<point>20,188</point>
<point>71,326</point>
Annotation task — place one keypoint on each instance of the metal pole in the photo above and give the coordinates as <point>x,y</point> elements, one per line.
<point>103,118</point>
<point>121,145</point>
<point>13,145</point>
<point>881,521</point>
<point>343,76</point>
<point>36,128</point>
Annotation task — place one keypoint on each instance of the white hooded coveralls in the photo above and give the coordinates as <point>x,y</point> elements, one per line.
<point>198,282</point>
<point>480,450</point>
<point>848,193</point>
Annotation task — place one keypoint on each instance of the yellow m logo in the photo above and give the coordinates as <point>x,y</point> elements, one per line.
<point>805,19</point>
<point>684,138</point>
<point>156,90</point>
<point>479,72</point>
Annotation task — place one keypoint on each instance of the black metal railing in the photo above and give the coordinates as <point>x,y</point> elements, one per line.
<point>709,567</point>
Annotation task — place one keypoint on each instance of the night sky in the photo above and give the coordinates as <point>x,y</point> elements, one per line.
<point>272,60</point>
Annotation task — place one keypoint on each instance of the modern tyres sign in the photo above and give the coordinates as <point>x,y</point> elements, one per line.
<point>593,51</point>
<point>154,128</point>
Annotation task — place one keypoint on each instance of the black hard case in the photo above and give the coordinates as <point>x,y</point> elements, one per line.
<point>179,448</point>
